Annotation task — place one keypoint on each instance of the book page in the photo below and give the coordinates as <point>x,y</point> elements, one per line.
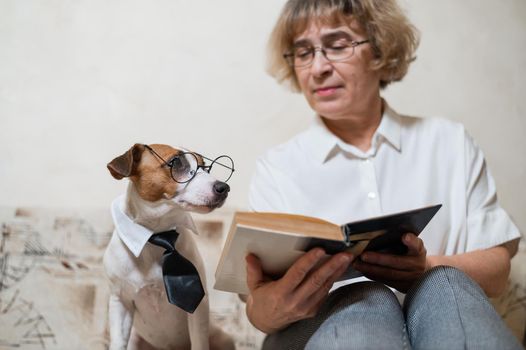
<point>290,223</point>
<point>277,251</point>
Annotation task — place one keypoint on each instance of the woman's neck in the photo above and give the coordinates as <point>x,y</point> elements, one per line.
<point>357,128</point>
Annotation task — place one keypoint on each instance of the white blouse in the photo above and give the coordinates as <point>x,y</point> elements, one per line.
<point>413,162</point>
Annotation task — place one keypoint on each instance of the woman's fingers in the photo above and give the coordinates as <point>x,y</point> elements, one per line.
<point>299,270</point>
<point>255,275</point>
<point>399,271</point>
<point>413,260</point>
<point>325,275</point>
<point>396,262</point>
<point>382,273</point>
<point>415,246</point>
<point>273,305</point>
<point>315,300</point>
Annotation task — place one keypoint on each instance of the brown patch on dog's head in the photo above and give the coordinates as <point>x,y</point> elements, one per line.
<point>149,174</point>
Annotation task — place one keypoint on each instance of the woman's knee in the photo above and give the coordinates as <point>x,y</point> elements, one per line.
<point>438,281</point>
<point>447,270</point>
<point>443,274</point>
<point>362,295</point>
<point>363,311</point>
<point>351,303</point>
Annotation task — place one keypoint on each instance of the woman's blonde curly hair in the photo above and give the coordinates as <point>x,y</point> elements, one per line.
<point>393,38</point>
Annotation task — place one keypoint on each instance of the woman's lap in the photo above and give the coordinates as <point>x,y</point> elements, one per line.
<point>351,317</point>
<point>444,310</point>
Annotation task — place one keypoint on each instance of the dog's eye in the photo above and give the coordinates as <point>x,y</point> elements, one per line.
<point>174,162</point>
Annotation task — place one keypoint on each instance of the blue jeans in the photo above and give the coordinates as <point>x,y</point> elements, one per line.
<point>445,309</point>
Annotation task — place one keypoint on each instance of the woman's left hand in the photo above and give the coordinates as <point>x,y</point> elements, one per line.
<point>397,271</point>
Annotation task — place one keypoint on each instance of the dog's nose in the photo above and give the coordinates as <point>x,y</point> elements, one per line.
<point>221,188</point>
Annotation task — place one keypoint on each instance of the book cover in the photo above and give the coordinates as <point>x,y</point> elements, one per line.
<point>280,239</point>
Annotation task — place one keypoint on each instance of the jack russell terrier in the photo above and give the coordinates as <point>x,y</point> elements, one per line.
<point>165,184</point>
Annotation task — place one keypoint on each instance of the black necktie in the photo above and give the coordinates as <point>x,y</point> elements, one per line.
<point>181,279</point>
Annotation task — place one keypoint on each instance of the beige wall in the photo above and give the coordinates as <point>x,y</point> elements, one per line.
<point>82,80</point>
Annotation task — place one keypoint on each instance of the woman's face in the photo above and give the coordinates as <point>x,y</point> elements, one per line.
<point>336,90</point>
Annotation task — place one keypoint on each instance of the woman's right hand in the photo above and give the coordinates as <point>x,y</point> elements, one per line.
<point>274,304</point>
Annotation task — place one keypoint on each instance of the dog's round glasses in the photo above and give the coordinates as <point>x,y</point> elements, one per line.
<point>303,56</point>
<point>185,165</point>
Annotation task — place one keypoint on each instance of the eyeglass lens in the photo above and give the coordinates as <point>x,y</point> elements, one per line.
<point>221,168</point>
<point>184,167</point>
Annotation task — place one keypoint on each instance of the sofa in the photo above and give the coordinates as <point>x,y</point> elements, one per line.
<point>54,293</point>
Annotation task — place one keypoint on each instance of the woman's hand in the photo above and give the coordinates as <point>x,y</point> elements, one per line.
<point>273,305</point>
<point>397,271</point>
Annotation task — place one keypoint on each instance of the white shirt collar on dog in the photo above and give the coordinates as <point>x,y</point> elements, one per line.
<point>133,235</point>
<point>327,144</point>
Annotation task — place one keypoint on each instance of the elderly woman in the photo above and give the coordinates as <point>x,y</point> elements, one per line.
<point>361,159</point>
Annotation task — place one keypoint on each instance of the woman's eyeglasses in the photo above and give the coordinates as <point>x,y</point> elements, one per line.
<point>303,56</point>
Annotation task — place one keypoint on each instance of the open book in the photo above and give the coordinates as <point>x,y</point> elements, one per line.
<point>280,239</point>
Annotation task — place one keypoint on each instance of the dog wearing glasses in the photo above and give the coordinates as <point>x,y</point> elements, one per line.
<point>165,185</point>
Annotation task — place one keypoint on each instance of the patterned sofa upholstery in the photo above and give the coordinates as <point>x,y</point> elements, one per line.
<point>53,291</point>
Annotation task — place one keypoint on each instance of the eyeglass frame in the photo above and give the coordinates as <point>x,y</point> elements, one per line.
<point>288,55</point>
<point>206,168</point>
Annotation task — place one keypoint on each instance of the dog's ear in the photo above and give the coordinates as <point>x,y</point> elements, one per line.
<point>125,164</point>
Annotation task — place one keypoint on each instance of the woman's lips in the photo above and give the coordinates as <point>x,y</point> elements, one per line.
<point>326,91</point>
